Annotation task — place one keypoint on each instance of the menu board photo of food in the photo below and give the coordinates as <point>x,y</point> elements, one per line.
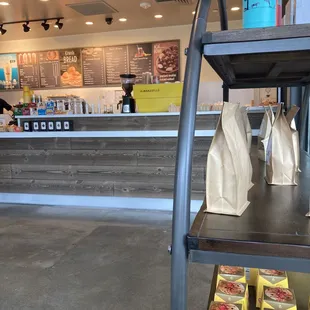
<point>28,64</point>
<point>8,72</point>
<point>70,68</point>
<point>166,60</point>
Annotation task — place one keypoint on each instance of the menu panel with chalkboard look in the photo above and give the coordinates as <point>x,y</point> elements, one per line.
<point>49,69</point>
<point>71,68</point>
<point>166,59</point>
<point>140,59</point>
<point>93,66</point>
<point>116,61</point>
<point>28,64</point>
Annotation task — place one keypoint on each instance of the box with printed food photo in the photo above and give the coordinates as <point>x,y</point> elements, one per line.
<point>278,298</point>
<point>271,278</point>
<point>232,292</point>
<point>216,305</point>
<point>231,273</point>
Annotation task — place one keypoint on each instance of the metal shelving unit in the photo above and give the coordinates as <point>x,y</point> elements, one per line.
<point>273,232</point>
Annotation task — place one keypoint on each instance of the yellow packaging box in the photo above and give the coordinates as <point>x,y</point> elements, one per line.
<point>157,97</point>
<point>271,278</point>
<point>230,273</point>
<point>232,292</point>
<point>278,298</point>
<point>251,276</point>
<point>156,105</point>
<point>216,305</point>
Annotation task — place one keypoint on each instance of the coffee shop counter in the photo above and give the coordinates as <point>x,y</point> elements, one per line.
<point>107,161</point>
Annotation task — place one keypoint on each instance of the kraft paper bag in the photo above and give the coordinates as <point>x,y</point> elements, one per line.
<point>264,133</point>
<point>229,169</point>
<point>281,168</point>
<point>290,119</point>
<point>247,127</point>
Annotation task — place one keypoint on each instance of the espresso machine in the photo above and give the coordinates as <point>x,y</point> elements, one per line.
<point>128,103</point>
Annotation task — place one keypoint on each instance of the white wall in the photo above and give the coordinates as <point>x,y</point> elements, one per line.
<point>208,92</point>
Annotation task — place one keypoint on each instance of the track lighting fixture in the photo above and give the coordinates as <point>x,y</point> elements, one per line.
<point>45,25</point>
<point>3,31</point>
<point>58,24</point>
<point>26,27</point>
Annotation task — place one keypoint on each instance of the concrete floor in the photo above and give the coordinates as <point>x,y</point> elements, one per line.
<point>65,258</point>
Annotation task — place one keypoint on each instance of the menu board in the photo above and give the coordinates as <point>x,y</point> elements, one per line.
<point>28,64</point>
<point>140,59</point>
<point>93,66</point>
<point>166,61</point>
<point>8,71</point>
<point>116,60</point>
<point>70,68</point>
<point>49,69</point>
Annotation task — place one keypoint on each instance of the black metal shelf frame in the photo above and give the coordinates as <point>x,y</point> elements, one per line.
<point>181,254</point>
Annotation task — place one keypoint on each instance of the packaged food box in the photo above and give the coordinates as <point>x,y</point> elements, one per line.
<point>232,292</point>
<point>230,273</point>
<point>278,298</point>
<point>270,278</point>
<point>251,276</point>
<point>216,305</point>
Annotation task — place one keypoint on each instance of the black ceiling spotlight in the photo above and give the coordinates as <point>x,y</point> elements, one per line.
<point>26,27</point>
<point>58,24</point>
<point>3,31</point>
<point>45,25</point>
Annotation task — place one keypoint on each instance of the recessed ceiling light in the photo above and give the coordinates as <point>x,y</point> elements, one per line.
<point>44,0</point>
<point>89,23</point>
<point>158,16</point>
<point>193,12</point>
<point>4,3</point>
<point>235,8</point>
<point>123,19</point>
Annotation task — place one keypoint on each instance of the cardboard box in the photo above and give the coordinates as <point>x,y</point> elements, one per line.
<point>230,273</point>
<point>278,298</point>
<point>232,292</point>
<point>216,305</point>
<point>270,278</point>
<point>157,97</point>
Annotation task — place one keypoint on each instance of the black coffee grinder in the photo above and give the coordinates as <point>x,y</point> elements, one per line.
<point>128,103</point>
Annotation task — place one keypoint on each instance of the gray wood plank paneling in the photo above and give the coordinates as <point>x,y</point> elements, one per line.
<point>101,173</point>
<point>5,172</point>
<point>167,158</point>
<point>167,144</point>
<point>35,144</point>
<point>57,187</point>
<point>67,157</point>
<point>153,190</point>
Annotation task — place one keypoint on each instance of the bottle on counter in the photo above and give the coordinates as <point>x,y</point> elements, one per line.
<point>26,96</point>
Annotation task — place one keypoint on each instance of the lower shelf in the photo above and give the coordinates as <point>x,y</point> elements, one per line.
<point>297,281</point>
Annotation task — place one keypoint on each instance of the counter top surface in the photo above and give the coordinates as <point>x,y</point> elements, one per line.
<point>251,110</point>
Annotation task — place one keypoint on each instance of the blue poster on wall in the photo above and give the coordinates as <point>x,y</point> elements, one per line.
<point>259,13</point>
<point>8,72</point>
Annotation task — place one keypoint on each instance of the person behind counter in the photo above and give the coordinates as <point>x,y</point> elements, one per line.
<point>5,105</point>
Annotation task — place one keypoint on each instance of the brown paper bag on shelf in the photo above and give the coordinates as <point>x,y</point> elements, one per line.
<point>264,133</point>
<point>291,121</point>
<point>229,169</point>
<point>247,127</point>
<point>281,168</point>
